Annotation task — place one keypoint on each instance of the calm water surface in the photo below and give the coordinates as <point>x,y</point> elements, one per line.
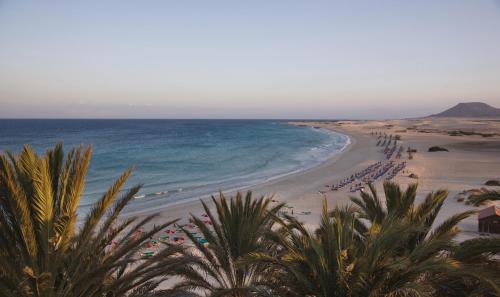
<point>179,159</point>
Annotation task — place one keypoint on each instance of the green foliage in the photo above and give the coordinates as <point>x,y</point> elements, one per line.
<point>437,149</point>
<point>47,252</point>
<point>239,227</point>
<point>492,183</point>
<point>378,246</point>
<point>383,247</point>
<point>483,197</point>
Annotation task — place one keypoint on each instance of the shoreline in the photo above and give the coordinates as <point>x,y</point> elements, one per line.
<point>298,190</point>
<point>460,169</point>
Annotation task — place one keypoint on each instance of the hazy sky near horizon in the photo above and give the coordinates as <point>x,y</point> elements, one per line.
<point>246,59</point>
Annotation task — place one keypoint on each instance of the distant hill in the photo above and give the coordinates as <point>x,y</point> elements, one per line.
<point>470,110</point>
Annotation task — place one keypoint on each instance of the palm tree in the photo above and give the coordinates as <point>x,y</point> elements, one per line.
<point>484,196</point>
<point>345,258</point>
<point>46,252</point>
<point>480,270</point>
<point>476,268</point>
<point>386,267</point>
<point>238,228</point>
<point>309,263</point>
<point>401,206</point>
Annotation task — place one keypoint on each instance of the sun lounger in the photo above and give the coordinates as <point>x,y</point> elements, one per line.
<point>148,253</point>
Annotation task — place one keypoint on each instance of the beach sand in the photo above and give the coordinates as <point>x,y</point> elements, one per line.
<point>471,160</point>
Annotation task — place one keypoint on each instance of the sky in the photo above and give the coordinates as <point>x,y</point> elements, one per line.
<point>246,59</point>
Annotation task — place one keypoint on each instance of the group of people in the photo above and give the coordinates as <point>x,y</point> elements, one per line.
<point>400,152</point>
<point>388,152</point>
<point>369,174</point>
<point>368,170</point>
<point>356,187</point>
<point>396,170</point>
<point>343,183</point>
<point>173,235</point>
<point>381,170</point>
<point>378,169</point>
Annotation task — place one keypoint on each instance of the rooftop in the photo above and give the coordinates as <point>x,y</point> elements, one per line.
<point>488,212</point>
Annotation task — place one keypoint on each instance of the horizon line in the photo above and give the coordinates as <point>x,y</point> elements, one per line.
<point>223,119</point>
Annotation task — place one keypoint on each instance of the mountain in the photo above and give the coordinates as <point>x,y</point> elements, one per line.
<point>470,110</point>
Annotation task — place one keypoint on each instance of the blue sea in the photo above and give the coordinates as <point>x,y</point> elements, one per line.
<point>179,159</point>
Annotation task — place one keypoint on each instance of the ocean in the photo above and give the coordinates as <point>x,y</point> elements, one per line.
<point>179,159</point>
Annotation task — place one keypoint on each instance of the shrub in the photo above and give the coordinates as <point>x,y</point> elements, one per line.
<point>413,175</point>
<point>493,183</point>
<point>437,149</point>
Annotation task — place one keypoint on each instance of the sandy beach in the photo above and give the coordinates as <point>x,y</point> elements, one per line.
<point>250,148</point>
<point>471,160</point>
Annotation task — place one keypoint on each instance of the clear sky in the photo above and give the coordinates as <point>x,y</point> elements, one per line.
<point>246,59</point>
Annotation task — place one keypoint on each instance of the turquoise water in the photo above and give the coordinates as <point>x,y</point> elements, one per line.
<point>179,159</point>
